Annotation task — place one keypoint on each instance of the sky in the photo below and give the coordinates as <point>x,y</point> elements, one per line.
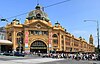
<point>70,15</point>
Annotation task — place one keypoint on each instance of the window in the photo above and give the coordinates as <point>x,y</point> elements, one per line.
<point>32,32</point>
<point>54,35</point>
<point>38,16</point>
<point>19,34</point>
<point>38,43</point>
<point>62,36</point>
<point>55,41</point>
<point>45,32</point>
<point>0,36</point>
<point>38,32</point>
<point>3,37</point>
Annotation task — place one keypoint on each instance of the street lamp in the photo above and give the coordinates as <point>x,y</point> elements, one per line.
<point>3,19</point>
<point>97,30</point>
<point>20,46</point>
<point>20,42</point>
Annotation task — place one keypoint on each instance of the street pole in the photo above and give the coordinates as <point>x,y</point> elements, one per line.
<point>20,42</point>
<point>20,45</point>
<point>97,31</point>
<point>98,34</point>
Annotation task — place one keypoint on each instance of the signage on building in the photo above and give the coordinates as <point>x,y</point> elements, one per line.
<point>38,47</point>
<point>26,39</point>
<point>50,39</point>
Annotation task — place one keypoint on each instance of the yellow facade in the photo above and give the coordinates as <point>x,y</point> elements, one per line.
<point>38,34</point>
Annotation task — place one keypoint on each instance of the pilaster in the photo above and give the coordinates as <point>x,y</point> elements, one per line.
<point>14,40</point>
<point>60,42</point>
<point>64,43</point>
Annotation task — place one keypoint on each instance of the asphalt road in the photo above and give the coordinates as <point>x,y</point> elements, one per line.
<point>39,60</point>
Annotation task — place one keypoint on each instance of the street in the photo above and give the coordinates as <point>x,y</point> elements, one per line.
<point>39,60</point>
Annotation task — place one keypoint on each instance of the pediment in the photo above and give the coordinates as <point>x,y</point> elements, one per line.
<point>38,25</point>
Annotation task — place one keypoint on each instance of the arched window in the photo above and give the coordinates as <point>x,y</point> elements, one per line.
<point>54,35</point>
<point>55,39</point>
<point>20,38</point>
<point>19,34</point>
<point>38,16</point>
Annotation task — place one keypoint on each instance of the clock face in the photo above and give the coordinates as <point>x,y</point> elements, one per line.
<point>38,26</point>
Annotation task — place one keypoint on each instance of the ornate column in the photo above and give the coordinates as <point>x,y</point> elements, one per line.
<point>14,40</point>
<point>60,45</point>
<point>50,46</point>
<point>64,43</point>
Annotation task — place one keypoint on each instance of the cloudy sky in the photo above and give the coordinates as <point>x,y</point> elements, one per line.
<point>70,15</point>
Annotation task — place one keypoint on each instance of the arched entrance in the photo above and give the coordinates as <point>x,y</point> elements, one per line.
<point>38,47</point>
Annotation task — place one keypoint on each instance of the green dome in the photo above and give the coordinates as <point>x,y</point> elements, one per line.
<point>57,23</point>
<point>38,13</point>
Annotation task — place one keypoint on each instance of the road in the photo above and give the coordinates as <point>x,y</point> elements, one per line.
<point>39,60</point>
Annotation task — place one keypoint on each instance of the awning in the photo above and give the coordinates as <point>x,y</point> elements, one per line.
<point>5,42</point>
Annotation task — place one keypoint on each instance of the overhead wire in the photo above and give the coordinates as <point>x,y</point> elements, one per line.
<point>43,7</point>
<point>17,15</point>
<point>56,3</point>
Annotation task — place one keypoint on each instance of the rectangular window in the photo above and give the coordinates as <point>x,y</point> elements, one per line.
<point>0,37</point>
<point>55,41</point>
<point>45,32</point>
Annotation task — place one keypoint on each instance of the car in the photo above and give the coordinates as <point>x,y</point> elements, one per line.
<point>1,53</point>
<point>7,54</point>
<point>98,57</point>
<point>19,54</point>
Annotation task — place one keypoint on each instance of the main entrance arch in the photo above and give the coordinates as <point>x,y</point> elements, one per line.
<point>38,46</point>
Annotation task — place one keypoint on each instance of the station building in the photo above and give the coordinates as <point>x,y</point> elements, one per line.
<point>5,45</point>
<point>2,33</point>
<point>38,34</point>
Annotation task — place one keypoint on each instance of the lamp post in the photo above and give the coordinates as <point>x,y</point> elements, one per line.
<point>20,42</point>
<point>4,20</point>
<point>20,46</point>
<point>97,30</point>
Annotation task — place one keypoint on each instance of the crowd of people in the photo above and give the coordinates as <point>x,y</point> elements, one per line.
<point>76,56</point>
